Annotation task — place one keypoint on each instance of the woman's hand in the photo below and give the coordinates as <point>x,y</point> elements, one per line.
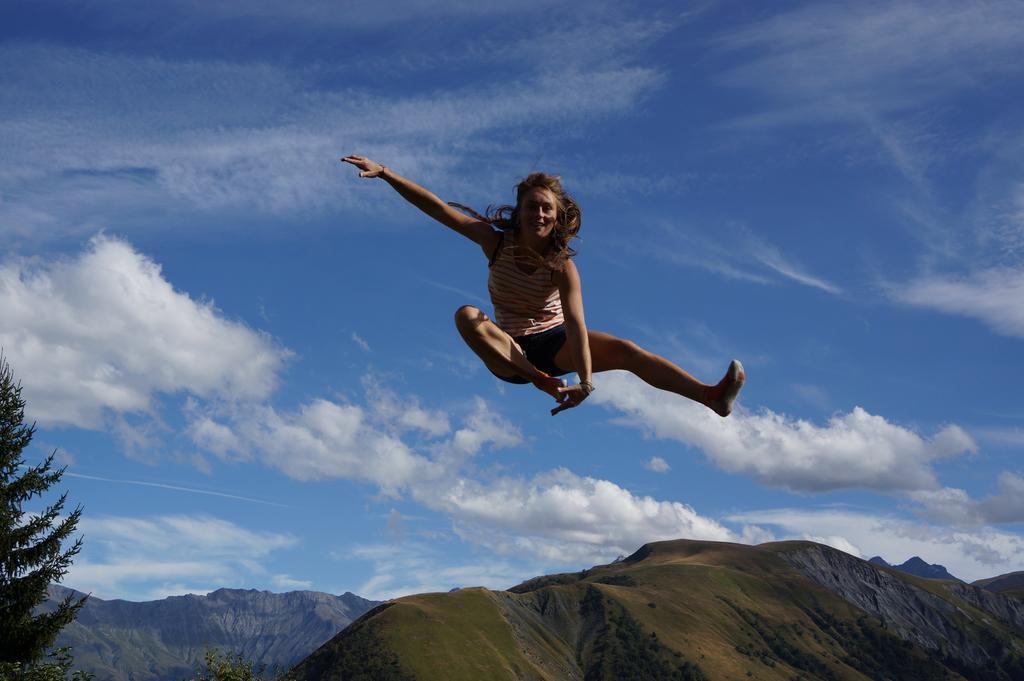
<point>369,168</point>
<point>572,396</point>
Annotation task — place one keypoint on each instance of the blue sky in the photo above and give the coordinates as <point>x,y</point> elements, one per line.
<point>246,356</point>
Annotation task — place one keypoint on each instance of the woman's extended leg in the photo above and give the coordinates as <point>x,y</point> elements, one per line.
<point>499,352</point>
<point>609,352</point>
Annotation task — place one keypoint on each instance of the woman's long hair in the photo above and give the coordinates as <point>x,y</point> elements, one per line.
<point>567,220</point>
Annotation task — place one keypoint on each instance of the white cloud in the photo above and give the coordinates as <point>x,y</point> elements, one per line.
<point>214,437</point>
<point>562,517</point>
<point>324,439</point>
<point>754,534</point>
<point>106,332</point>
<point>565,518</point>
<point>836,542</point>
<point>955,506</point>
<point>557,516</point>
<point>970,555</point>
<point>853,450</point>
<point>658,465</point>
<point>555,520</point>
<point>128,557</point>
<point>484,426</point>
<point>993,296</point>
<point>402,414</point>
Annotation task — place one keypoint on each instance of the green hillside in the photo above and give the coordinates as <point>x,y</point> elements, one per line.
<point>1010,584</point>
<point>686,611</point>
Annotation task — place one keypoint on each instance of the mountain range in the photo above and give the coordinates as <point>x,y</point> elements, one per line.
<point>691,611</point>
<point>681,610</point>
<point>166,640</point>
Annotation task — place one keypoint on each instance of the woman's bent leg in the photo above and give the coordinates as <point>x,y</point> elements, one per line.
<point>608,352</point>
<point>498,351</point>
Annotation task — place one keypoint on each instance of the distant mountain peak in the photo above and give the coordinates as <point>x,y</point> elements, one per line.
<point>917,566</point>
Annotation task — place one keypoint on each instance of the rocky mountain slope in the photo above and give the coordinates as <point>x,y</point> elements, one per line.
<point>688,610</point>
<point>166,640</point>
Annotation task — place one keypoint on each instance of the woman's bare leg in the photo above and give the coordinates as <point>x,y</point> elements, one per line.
<point>609,352</point>
<point>499,352</point>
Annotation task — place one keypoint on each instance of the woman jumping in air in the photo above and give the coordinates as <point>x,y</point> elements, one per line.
<point>538,301</point>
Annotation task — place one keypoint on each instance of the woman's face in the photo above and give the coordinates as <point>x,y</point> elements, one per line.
<point>538,212</point>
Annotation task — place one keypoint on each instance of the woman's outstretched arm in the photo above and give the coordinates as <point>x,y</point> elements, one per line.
<point>576,337</point>
<point>475,230</point>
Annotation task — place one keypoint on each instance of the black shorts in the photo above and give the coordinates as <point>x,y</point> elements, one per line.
<point>540,349</point>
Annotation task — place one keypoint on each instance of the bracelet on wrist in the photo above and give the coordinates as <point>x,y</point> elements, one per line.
<point>587,386</point>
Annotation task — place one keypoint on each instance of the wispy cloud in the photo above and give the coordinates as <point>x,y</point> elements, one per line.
<point>461,293</point>
<point>214,136</point>
<point>834,59</point>
<point>871,66</point>
<point>289,583</point>
<point>416,567</point>
<point>735,253</point>
<point>176,488</point>
<point>812,394</point>
<point>772,258</point>
<point>271,16</point>
<point>1004,436</point>
<point>993,296</point>
<point>358,340</point>
<point>143,558</point>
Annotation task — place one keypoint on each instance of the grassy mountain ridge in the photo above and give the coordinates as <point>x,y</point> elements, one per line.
<point>1010,584</point>
<point>689,610</point>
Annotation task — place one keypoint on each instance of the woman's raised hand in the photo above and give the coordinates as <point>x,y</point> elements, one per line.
<point>369,168</point>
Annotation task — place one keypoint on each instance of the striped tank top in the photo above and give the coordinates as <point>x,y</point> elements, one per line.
<point>524,304</point>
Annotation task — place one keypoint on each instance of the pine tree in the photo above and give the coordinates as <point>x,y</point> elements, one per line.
<point>31,555</point>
